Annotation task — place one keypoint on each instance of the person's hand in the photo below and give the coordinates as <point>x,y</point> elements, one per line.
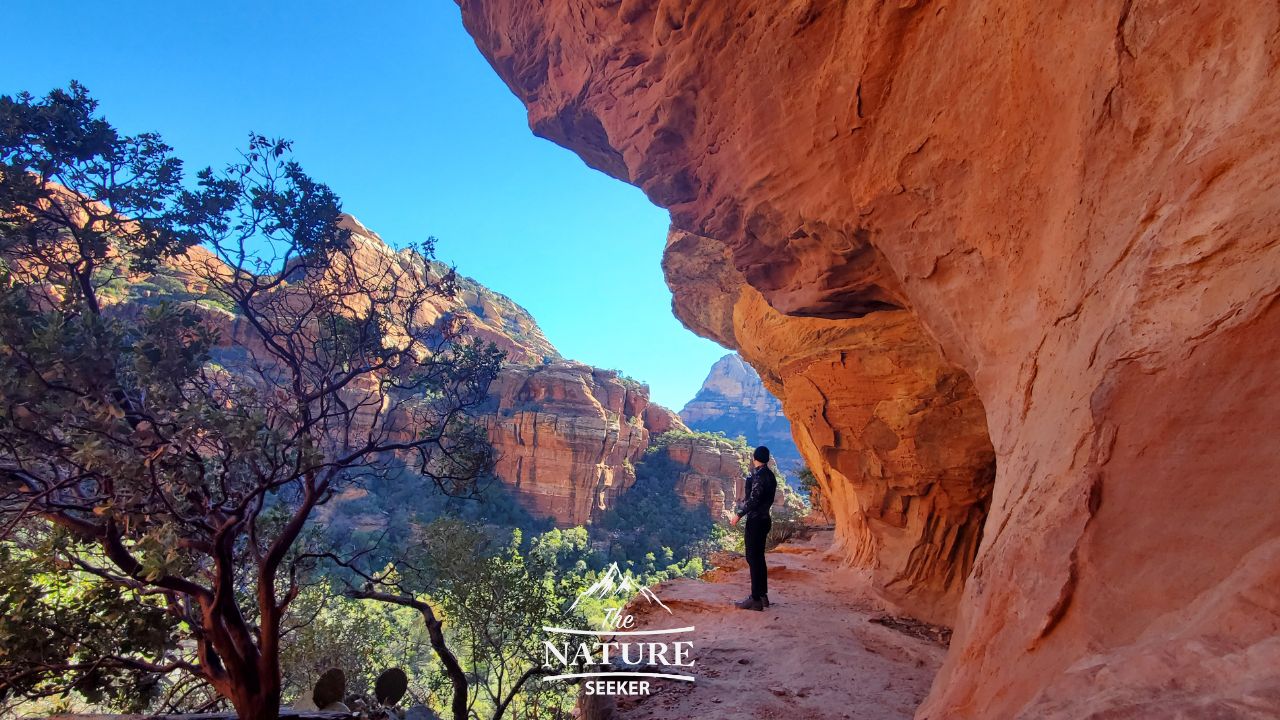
<point>734,519</point>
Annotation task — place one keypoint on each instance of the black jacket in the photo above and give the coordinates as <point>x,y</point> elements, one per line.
<point>758,494</point>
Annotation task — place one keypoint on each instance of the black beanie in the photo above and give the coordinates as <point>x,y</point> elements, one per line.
<point>761,454</point>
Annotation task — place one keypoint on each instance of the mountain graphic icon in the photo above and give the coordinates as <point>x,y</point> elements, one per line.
<point>615,583</point>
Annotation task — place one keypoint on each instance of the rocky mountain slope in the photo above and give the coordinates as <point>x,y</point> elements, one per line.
<point>567,435</point>
<point>734,401</point>
<point>1012,270</point>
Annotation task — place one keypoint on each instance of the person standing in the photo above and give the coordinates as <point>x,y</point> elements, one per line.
<point>758,493</point>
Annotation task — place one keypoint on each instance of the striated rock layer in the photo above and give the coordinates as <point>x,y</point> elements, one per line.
<point>734,401</point>
<point>711,472</point>
<point>1059,216</point>
<point>567,436</point>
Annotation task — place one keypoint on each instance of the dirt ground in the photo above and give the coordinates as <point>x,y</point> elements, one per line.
<point>822,651</point>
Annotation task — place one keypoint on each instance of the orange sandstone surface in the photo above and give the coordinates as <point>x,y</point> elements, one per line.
<point>567,436</point>
<point>1012,270</point>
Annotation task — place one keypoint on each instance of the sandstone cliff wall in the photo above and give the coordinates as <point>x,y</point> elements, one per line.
<point>712,473</point>
<point>567,436</point>
<point>896,438</point>
<point>1069,206</point>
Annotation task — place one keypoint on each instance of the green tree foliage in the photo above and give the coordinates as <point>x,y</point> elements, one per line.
<point>183,482</point>
<point>496,595</point>
<point>498,599</point>
<point>397,506</point>
<point>53,617</point>
<point>789,519</point>
<point>327,630</point>
<point>808,483</point>
<point>568,550</point>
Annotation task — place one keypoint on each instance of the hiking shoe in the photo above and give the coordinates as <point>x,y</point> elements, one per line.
<point>765,600</point>
<point>750,604</point>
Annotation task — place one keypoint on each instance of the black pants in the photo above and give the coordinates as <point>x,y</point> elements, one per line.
<point>757,531</point>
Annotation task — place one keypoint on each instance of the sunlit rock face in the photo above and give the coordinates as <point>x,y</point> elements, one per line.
<point>1058,217</point>
<point>734,401</point>
<point>709,473</point>
<point>489,315</point>
<point>567,437</point>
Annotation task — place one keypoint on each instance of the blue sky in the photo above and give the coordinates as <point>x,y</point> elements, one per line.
<point>391,104</point>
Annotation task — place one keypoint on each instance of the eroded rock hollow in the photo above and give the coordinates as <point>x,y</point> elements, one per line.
<point>895,436</point>
<point>1056,221</point>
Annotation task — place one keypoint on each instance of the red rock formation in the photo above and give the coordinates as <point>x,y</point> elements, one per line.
<point>734,401</point>
<point>567,435</point>
<point>660,419</point>
<point>711,471</point>
<point>1074,205</point>
<point>490,316</point>
<point>895,437</point>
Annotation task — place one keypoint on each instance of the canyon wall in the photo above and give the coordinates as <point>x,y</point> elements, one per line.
<point>734,401</point>
<point>1059,218</point>
<point>710,472</point>
<point>566,435</point>
<point>569,437</point>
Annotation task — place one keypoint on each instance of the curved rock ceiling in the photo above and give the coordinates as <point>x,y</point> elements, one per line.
<point>1058,221</point>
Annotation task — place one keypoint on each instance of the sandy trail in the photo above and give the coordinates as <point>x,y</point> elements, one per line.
<point>813,655</point>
